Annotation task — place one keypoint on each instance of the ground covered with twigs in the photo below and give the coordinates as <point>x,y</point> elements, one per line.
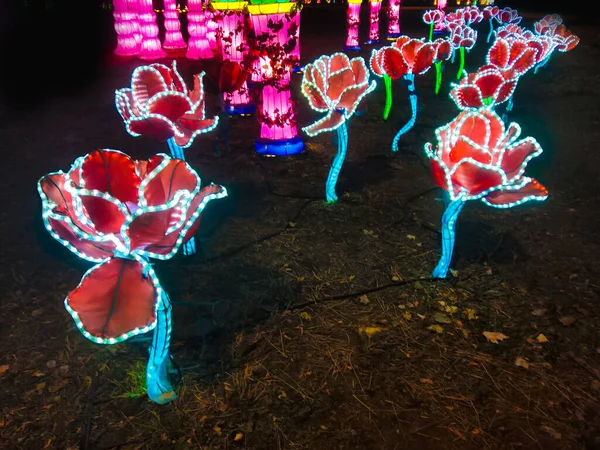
<point>301,325</point>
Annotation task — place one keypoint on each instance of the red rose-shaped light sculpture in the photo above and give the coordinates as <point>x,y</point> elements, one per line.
<point>463,38</point>
<point>486,88</point>
<point>335,85</point>
<point>508,15</point>
<point>547,23</point>
<point>435,19</point>
<point>476,157</point>
<point>512,54</point>
<point>118,212</point>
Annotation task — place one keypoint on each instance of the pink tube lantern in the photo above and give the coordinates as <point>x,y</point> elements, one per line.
<point>125,26</point>
<point>439,27</point>
<point>173,38</point>
<point>352,25</point>
<point>150,48</point>
<point>198,44</point>
<point>279,52</point>
<point>393,20</point>
<point>375,7</point>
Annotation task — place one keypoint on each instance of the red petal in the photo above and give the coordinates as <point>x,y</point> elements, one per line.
<point>505,91</point>
<point>462,150</point>
<point>212,190</point>
<point>474,127</point>
<point>409,51</point>
<point>499,53</point>
<point>475,179</point>
<point>315,95</point>
<point>467,96</point>
<point>175,176</point>
<point>374,62</point>
<point>114,299</point>
<point>165,72</point>
<point>172,106</point>
<point>438,174</point>
<point>145,84</point>
<point>338,62</point>
<point>505,198</point>
<point>351,97</point>
<point>154,127</point>
<point>514,157</point>
<point>190,126</point>
<point>53,187</point>
<point>398,43</point>
<point>143,168</point>
<point>423,59</point>
<point>525,60</point>
<point>104,214</point>
<point>338,82</point>
<point>328,123</point>
<point>113,173</point>
<point>488,83</point>
<point>92,249</point>
<point>394,64</point>
<point>359,70</point>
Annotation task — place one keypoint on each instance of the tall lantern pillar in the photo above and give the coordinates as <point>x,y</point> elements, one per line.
<point>375,7</point>
<point>279,53</point>
<point>229,16</point>
<point>198,17</point>
<point>439,26</point>
<point>393,20</point>
<point>125,26</point>
<point>352,25</point>
<point>150,45</point>
<point>173,38</point>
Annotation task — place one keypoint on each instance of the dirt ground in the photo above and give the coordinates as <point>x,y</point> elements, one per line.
<point>300,325</point>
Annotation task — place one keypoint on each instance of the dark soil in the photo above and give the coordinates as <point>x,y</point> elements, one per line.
<point>300,325</point>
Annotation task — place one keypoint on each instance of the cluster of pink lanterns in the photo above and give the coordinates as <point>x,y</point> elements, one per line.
<point>353,22</point>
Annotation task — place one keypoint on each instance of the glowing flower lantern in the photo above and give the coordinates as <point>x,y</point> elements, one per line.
<point>486,88</point>
<point>159,105</point>
<point>276,41</point>
<point>443,52</point>
<point>512,55</point>
<point>462,37</point>
<point>508,15</point>
<point>150,45</point>
<point>125,26</point>
<point>476,158</point>
<point>489,13</point>
<point>511,31</point>
<point>432,18</point>
<point>393,17</point>
<point>119,213</point>
<point>229,16</point>
<point>405,58</point>
<point>547,23</point>
<point>352,25</point>
<point>335,85</point>
<point>173,38</point>
<point>562,39</point>
<point>199,18</point>
<point>375,8</point>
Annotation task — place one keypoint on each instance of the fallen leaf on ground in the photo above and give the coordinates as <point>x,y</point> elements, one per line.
<point>426,381</point>
<point>3,369</point>
<point>441,318</point>
<point>369,331</point>
<point>494,336</point>
<point>238,437</point>
<point>541,339</point>
<point>521,362</point>
<point>363,299</point>
<point>539,312</point>
<point>552,432</point>
<point>436,328</point>
<point>411,237</point>
<point>304,315</point>
<point>470,314</point>
<point>567,321</point>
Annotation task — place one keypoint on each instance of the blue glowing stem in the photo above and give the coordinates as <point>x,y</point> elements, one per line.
<point>413,105</point>
<point>453,55</point>
<point>189,248</point>
<point>509,104</point>
<point>336,166</point>
<point>448,226</point>
<point>542,64</point>
<point>160,389</point>
<point>491,31</point>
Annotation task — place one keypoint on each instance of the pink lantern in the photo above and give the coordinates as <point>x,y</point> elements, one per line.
<point>173,38</point>
<point>125,27</point>
<point>440,27</point>
<point>352,24</point>
<point>374,22</point>
<point>393,20</point>
<point>150,48</point>
<point>198,44</point>
<point>275,27</point>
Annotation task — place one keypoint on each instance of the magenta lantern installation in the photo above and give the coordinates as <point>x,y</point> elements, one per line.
<point>393,20</point>
<point>276,33</point>
<point>374,22</point>
<point>125,26</point>
<point>173,38</point>
<point>439,26</point>
<point>198,44</point>
<point>150,48</point>
<point>352,25</point>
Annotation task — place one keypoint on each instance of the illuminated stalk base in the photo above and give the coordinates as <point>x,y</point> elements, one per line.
<point>189,248</point>
<point>461,63</point>
<point>448,231</point>
<point>412,95</point>
<point>160,390</point>
<point>438,77</point>
<point>245,109</point>
<point>491,33</point>
<point>279,147</point>
<point>388,96</point>
<point>338,161</point>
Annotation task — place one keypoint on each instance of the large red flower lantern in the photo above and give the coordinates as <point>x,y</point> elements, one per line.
<point>486,88</point>
<point>118,212</point>
<point>477,158</point>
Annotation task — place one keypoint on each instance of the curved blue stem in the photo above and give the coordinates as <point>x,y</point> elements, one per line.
<point>509,104</point>
<point>542,64</point>
<point>336,166</point>
<point>453,55</point>
<point>448,226</point>
<point>189,248</point>
<point>412,95</point>
<point>491,30</point>
<point>158,385</point>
